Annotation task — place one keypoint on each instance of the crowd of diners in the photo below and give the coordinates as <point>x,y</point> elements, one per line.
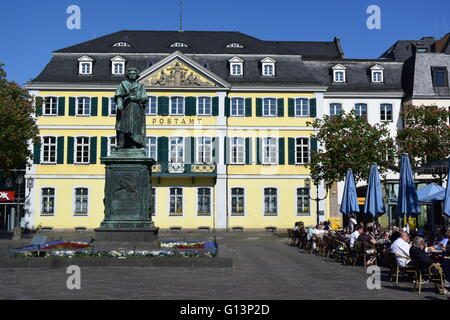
<point>420,248</point>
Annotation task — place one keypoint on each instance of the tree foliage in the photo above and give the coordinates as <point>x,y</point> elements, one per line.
<point>426,136</point>
<point>348,141</point>
<point>17,125</point>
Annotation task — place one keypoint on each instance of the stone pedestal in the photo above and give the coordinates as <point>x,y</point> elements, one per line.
<point>127,198</point>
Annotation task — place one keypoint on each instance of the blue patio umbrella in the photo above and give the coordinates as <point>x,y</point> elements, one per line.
<point>407,202</point>
<point>447,193</point>
<point>431,192</point>
<point>349,203</point>
<point>374,203</point>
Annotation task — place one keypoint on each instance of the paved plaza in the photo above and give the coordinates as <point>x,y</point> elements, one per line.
<point>265,267</point>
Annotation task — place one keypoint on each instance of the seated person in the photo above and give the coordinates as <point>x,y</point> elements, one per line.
<point>354,236</point>
<point>442,241</point>
<point>401,249</point>
<point>318,231</point>
<point>366,236</point>
<point>395,233</point>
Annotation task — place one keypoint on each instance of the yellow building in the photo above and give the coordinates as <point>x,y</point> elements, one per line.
<point>226,122</point>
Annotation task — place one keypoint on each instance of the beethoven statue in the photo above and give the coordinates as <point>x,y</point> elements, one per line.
<point>131,99</point>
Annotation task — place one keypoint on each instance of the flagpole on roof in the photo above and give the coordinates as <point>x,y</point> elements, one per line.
<point>181,16</point>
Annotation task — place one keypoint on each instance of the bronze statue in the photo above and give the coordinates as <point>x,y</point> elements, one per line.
<point>131,99</point>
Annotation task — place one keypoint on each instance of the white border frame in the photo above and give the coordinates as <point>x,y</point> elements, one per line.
<point>75,150</point>
<point>295,107</point>
<point>197,106</point>
<point>73,201</point>
<point>295,150</point>
<point>276,107</point>
<point>196,151</point>
<point>230,214</point>
<point>42,151</point>
<point>231,153</point>
<point>296,203</point>
<point>183,143</point>
<point>277,147</point>
<point>183,201</point>
<point>40,201</point>
<point>90,106</point>
<point>183,113</point>
<point>156,111</point>
<point>57,105</point>
<point>263,202</point>
<point>211,202</point>
<point>231,106</point>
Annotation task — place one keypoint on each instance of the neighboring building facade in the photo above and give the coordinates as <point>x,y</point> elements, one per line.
<point>226,122</point>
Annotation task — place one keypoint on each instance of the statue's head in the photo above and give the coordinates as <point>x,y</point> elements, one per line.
<point>132,74</point>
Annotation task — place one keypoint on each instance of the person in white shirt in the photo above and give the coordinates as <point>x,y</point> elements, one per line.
<point>401,248</point>
<point>352,223</point>
<point>355,234</point>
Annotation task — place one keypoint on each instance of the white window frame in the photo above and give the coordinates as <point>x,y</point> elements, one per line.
<point>307,107</point>
<point>117,60</point>
<point>263,144</point>
<point>149,113</point>
<point>110,103</point>
<point>335,103</point>
<point>156,201</point>
<point>43,150</point>
<point>210,202</point>
<point>377,69</point>
<point>385,113</point>
<point>76,107</point>
<point>110,145</point>
<point>147,144</point>
<point>44,108</point>
<point>41,202</point>
<point>277,195</point>
<point>82,61</point>
<point>296,202</point>
<point>198,106</point>
<point>309,150</point>
<point>198,146</point>
<point>231,106</point>
<point>75,201</point>
<point>231,202</point>
<point>75,145</point>
<point>183,106</point>
<point>354,108</point>
<point>236,61</point>
<point>182,202</point>
<point>337,69</point>
<point>268,62</point>
<point>239,148</point>
<point>176,152</point>
<point>276,107</point>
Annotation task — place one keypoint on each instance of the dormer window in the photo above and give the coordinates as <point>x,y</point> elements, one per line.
<point>121,44</point>
<point>268,67</point>
<point>377,74</point>
<point>85,65</point>
<point>178,45</point>
<point>236,66</point>
<point>234,45</point>
<point>118,65</point>
<point>339,73</point>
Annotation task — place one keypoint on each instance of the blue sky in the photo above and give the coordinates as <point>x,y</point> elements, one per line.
<point>31,29</point>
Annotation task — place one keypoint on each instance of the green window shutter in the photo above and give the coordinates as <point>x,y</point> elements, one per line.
<point>37,153</point>
<point>227,106</point>
<point>248,107</point>
<point>60,152</point>
<point>38,103</point>
<point>291,150</point>
<point>313,143</point>
<point>190,109</point>
<point>291,107</point>
<point>70,150</point>
<point>163,106</point>
<point>259,107</point>
<point>258,150</point>
<point>215,106</point>
<point>104,147</point>
<point>61,106</point>
<point>94,106</point>
<point>227,150</point>
<point>71,106</point>
<point>93,150</point>
<point>105,106</point>
<point>248,150</point>
<point>280,150</point>
<point>312,108</point>
<point>280,106</point>
<point>163,150</point>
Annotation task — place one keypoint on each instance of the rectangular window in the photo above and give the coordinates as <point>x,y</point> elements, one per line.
<point>204,106</point>
<point>270,202</point>
<point>237,201</point>
<point>176,201</point>
<point>440,76</point>
<point>111,144</point>
<point>301,107</point>
<point>83,106</point>
<point>150,147</point>
<point>303,202</point>
<point>335,109</point>
<point>302,150</point>
<point>386,112</point>
<point>270,152</point>
<point>86,68</point>
<point>237,150</point>
<point>176,150</point>
<point>269,107</point>
<point>50,107</point>
<point>112,106</point>
<point>176,105</point>
<point>204,201</point>
<point>338,76</point>
<point>48,201</point>
<point>204,150</point>
<point>377,76</point>
<point>81,201</point>
<point>150,109</point>
<point>237,106</point>
<point>49,150</point>
<point>82,150</point>
<point>361,110</point>
<point>268,70</point>
<point>236,69</point>
<point>152,201</point>
<point>118,68</point>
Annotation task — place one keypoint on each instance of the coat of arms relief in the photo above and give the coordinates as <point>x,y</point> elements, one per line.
<point>177,75</point>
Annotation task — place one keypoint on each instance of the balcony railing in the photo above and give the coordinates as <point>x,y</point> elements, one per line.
<point>183,169</point>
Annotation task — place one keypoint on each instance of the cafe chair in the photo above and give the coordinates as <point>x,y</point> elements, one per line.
<point>396,269</point>
<point>433,274</point>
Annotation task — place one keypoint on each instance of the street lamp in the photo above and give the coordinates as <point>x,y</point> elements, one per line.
<point>317,199</point>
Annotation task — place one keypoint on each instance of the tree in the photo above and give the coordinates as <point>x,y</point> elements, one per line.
<point>17,125</point>
<point>426,136</point>
<point>348,141</point>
